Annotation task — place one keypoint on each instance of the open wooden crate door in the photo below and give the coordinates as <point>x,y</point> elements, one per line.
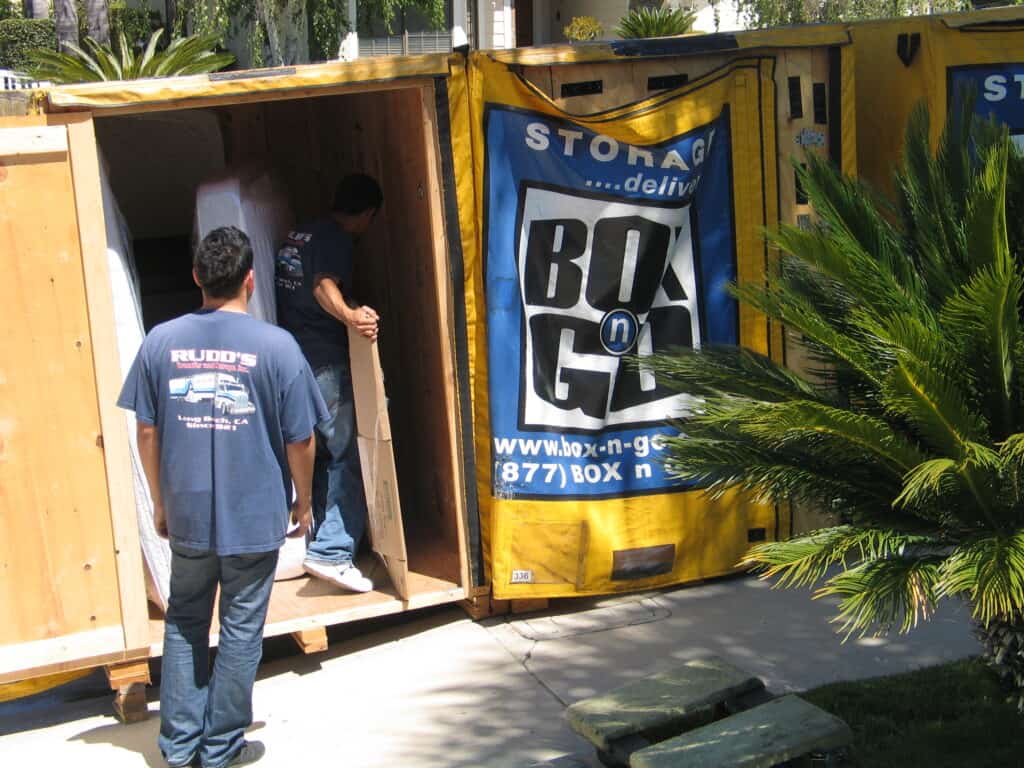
<point>377,456</point>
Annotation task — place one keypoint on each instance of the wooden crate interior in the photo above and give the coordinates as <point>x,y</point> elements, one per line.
<point>400,270</point>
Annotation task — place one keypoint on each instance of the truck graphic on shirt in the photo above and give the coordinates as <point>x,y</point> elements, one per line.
<point>229,395</point>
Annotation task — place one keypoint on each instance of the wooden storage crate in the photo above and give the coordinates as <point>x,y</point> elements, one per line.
<point>72,588</point>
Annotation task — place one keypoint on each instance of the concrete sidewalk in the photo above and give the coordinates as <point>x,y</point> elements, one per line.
<point>441,690</point>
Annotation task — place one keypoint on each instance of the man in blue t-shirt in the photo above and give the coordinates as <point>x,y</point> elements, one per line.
<point>226,407</point>
<point>313,274</point>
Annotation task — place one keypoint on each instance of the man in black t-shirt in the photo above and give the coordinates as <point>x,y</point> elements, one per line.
<point>313,277</point>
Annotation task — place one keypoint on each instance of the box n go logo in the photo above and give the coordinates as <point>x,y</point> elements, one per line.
<point>601,278</point>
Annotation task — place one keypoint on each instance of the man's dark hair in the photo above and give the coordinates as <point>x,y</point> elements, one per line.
<point>222,261</point>
<point>357,193</point>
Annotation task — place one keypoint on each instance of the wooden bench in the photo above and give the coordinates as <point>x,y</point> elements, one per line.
<point>780,730</point>
<point>662,706</point>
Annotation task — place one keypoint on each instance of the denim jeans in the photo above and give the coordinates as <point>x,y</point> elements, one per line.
<point>201,713</point>
<point>339,503</point>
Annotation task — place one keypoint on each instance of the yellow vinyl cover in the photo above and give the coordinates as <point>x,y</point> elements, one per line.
<point>235,87</point>
<point>903,62</point>
<point>586,238</point>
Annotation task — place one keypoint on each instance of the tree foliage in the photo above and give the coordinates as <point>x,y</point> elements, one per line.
<point>773,13</point>
<point>19,37</point>
<point>910,424</point>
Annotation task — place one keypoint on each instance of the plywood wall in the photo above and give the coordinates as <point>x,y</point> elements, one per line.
<point>57,554</point>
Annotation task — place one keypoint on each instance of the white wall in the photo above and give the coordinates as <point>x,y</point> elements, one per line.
<point>729,19</point>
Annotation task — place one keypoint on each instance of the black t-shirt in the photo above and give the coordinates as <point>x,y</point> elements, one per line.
<point>322,248</point>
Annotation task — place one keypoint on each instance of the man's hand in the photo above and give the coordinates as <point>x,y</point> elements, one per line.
<point>160,520</point>
<point>302,518</point>
<point>365,321</point>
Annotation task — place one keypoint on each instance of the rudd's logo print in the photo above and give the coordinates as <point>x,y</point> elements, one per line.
<point>228,394</point>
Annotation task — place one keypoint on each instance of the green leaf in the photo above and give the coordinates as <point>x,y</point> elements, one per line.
<point>806,560</point>
<point>885,591</point>
<point>985,315</point>
<point>990,571</point>
<point>927,480</point>
<point>145,62</point>
<point>933,406</point>
<point>717,369</point>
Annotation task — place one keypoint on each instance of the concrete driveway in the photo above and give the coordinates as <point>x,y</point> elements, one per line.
<point>437,689</point>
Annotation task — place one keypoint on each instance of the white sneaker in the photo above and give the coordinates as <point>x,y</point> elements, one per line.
<point>345,575</point>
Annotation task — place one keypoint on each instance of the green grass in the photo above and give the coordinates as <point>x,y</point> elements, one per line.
<point>952,716</point>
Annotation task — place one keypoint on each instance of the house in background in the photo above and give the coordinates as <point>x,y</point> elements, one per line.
<point>540,22</point>
<point>486,24</point>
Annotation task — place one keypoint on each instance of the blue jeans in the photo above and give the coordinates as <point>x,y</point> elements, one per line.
<point>201,713</point>
<point>339,503</point>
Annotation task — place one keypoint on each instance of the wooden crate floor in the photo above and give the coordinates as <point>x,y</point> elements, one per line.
<point>306,603</point>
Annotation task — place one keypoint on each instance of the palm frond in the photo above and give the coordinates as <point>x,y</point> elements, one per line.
<point>716,369</point>
<point>880,593</point>
<point>926,481</point>
<point>184,56</point>
<point>844,435</point>
<point>935,409</point>
<point>985,314</point>
<point>806,560</point>
<point>800,315</point>
<point>990,571</point>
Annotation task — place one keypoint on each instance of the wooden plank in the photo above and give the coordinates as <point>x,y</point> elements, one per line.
<point>130,704</point>
<point>762,737</point>
<point>305,604</point>
<point>446,332</point>
<point>528,605</point>
<point>114,438</point>
<point>20,661</point>
<point>18,143</point>
<point>311,640</point>
<point>659,701</point>
<point>251,98</point>
<point>128,673</point>
<point>484,606</point>
<point>59,587</point>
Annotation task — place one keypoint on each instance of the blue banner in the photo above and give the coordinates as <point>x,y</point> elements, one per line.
<point>998,92</point>
<point>597,250</point>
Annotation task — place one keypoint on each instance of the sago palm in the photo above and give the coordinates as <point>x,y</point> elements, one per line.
<point>909,427</point>
<point>655,22</point>
<point>193,55</point>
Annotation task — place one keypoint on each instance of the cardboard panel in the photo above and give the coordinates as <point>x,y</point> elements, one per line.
<point>377,457</point>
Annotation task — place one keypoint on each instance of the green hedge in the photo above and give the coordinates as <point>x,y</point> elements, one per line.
<point>19,36</point>
<point>9,10</point>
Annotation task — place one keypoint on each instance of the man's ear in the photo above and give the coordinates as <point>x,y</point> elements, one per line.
<point>195,278</point>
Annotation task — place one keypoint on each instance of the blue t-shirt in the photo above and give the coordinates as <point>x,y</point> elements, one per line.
<point>322,248</point>
<point>226,392</point>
